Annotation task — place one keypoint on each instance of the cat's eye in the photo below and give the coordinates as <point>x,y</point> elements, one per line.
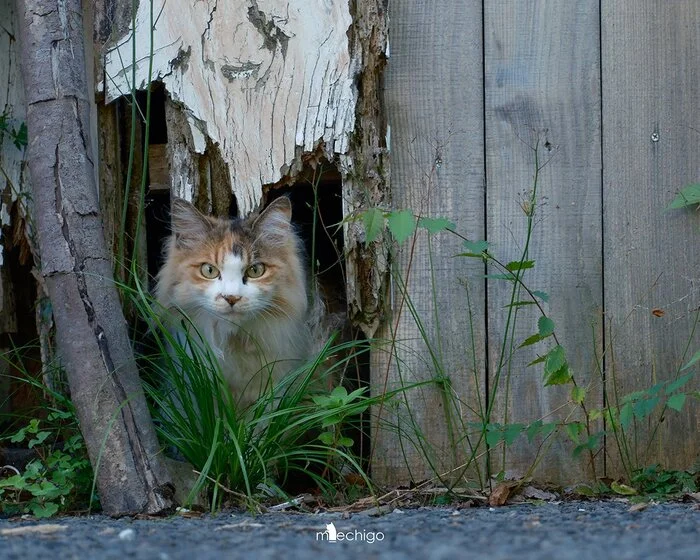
<point>209,271</point>
<point>255,270</point>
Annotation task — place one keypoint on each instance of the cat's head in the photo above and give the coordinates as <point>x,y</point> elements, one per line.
<point>238,270</point>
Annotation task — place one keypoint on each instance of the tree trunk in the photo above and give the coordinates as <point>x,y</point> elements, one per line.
<point>91,331</point>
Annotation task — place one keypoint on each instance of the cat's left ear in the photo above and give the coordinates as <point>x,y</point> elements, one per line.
<point>276,219</point>
<point>189,224</point>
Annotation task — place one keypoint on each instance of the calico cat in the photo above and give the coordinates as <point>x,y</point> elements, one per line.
<point>242,284</point>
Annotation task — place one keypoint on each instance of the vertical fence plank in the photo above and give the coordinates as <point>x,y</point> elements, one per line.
<point>651,95</point>
<point>542,91</point>
<point>434,105</point>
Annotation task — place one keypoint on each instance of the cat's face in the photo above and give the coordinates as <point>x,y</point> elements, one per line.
<point>237,270</point>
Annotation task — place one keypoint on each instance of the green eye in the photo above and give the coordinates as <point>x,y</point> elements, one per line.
<point>209,271</point>
<point>255,270</point>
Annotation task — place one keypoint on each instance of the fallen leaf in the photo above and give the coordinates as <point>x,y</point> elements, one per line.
<point>299,500</point>
<point>622,489</point>
<point>188,513</point>
<point>241,525</point>
<point>360,505</point>
<point>641,506</point>
<point>656,312</point>
<point>499,495</point>
<point>355,479</point>
<point>538,494</point>
<point>46,529</point>
<point>377,511</point>
<point>694,496</point>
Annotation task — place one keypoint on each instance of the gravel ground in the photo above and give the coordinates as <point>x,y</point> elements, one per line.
<point>577,530</point>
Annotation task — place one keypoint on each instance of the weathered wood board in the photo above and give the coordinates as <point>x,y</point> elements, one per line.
<point>13,107</point>
<point>543,108</point>
<point>434,105</point>
<point>651,149</point>
<point>608,92</point>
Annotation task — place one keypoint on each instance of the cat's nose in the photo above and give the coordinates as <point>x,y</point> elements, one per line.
<point>231,300</point>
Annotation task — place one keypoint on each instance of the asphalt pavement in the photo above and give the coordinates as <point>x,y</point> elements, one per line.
<point>570,530</point>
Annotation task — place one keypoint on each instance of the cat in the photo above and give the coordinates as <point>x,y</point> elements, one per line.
<point>242,284</point>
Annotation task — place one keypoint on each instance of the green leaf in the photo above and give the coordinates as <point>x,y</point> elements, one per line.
<point>374,223</point>
<point>556,369</point>
<point>20,136</point>
<point>59,415</point>
<point>339,393</point>
<point>544,296</point>
<point>401,224</point>
<point>591,443</point>
<point>345,442</point>
<point>645,407</point>
<point>695,359</point>
<point>537,360</point>
<point>19,436</point>
<point>512,431</point>
<point>15,481</point>
<point>326,437</point>
<point>688,196</point>
<point>560,377</point>
<point>635,396</point>
<point>578,394</point>
<point>321,400</point>
<point>676,402</point>
<point>556,358</point>
<point>545,326</point>
<point>435,225</point>
<point>532,339</point>
<point>476,247</point>
<point>331,420</point>
<point>585,490</point>
<point>678,383</point>
<point>574,430</point>
<point>39,439</point>
<point>533,429</point>
<point>43,510</point>
<point>594,414</point>
<point>548,429</point>
<point>622,489</point>
<point>494,434</point>
<point>626,415</point>
<point>514,266</point>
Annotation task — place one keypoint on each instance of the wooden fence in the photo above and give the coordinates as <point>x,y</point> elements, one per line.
<point>603,96</point>
<point>606,94</point>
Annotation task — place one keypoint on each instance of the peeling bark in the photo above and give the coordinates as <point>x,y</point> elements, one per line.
<point>262,80</point>
<point>366,168</point>
<point>90,328</point>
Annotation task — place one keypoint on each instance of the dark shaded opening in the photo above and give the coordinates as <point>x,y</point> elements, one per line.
<point>317,212</point>
<point>21,358</point>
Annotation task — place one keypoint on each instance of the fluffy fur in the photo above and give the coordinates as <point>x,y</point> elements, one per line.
<point>256,325</point>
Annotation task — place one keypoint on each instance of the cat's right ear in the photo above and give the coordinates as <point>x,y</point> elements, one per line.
<point>188,224</point>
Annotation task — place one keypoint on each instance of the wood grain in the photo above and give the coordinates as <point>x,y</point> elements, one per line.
<point>651,94</point>
<point>262,80</point>
<point>434,105</point>
<point>543,91</point>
